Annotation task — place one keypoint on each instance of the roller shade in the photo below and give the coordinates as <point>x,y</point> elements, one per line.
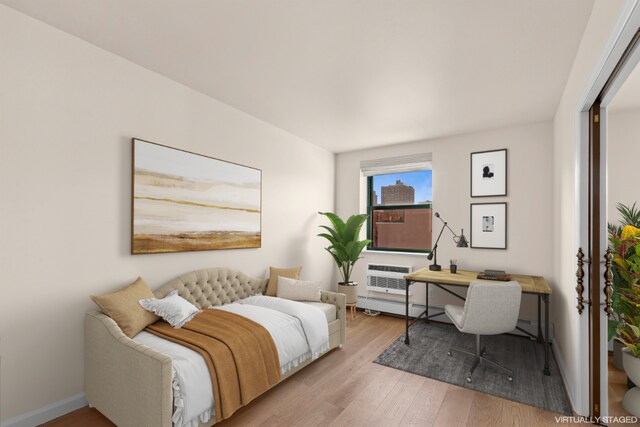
<point>410,163</point>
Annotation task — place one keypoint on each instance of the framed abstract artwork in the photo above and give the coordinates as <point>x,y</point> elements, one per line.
<point>182,201</point>
<point>489,173</point>
<point>489,225</point>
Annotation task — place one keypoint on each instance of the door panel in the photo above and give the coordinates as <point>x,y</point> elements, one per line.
<point>592,254</point>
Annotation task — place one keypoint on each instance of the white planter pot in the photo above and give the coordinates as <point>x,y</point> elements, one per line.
<point>617,354</point>
<point>631,401</point>
<point>350,291</point>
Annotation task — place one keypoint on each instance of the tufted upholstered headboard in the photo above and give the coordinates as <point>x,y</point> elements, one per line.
<point>213,286</point>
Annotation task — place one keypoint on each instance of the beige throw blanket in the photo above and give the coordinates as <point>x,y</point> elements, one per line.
<point>241,355</point>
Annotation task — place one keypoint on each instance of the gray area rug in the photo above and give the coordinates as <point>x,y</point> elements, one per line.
<point>427,356</point>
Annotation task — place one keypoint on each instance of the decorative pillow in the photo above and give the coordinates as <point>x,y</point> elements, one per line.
<point>122,306</point>
<point>174,309</point>
<point>274,273</point>
<point>298,290</point>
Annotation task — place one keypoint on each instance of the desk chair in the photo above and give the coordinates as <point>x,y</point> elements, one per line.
<point>491,308</point>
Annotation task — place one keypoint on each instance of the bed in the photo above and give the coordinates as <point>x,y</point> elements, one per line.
<point>135,382</point>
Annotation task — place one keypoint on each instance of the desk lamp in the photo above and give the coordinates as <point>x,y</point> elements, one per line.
<point>461,242</point>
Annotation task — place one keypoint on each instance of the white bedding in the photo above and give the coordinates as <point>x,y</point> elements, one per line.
<point>192,390</point>
<point>298,331</point>
<point>314,322</point>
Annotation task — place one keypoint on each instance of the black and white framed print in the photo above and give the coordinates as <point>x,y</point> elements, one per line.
<point>489,225</point>
<point>489,173</point>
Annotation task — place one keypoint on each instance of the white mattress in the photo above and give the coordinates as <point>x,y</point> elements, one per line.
<point>329,310</point>
<point>192,390</point>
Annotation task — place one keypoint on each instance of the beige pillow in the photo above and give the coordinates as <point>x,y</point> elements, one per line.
<point>299,290</point>
<point>274,273</point>
<point>123,307</point>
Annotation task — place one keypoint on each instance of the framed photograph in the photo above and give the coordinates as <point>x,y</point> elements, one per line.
<point>183,201</point>
<point>489,225</point>
<point>489,173</point>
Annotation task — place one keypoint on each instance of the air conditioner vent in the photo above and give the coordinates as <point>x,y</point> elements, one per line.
<point>387,278</point>
<point>404,269</point>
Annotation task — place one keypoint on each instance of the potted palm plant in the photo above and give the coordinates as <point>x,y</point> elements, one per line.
<point>345,248</point>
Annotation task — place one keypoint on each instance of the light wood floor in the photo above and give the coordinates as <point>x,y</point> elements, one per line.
<point>344,388</point>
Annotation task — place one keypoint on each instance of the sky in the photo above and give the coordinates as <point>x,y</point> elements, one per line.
<point>421,182</point>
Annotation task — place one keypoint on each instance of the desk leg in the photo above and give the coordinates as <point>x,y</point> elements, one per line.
<point>545,298</point>
<point>406,317</point>
<point>426,302</point>
<point>540,336</point>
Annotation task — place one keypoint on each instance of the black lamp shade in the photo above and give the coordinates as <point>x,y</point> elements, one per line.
<point>462,241</point>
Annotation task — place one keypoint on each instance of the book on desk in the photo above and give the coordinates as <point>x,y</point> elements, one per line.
<point>499,275</point>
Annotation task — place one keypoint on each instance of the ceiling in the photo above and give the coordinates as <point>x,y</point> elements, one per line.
<point>347,74</point>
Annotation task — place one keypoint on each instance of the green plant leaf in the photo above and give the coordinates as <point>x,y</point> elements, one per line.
<point>328,237</point>
<point>357,249</point>
<point>338,224</point>
<point>335,257</point>
<point>611,328</point>
<point>630,215</point>
<point>341,251</point>
<point>353,226</point>
<point>330,230</point>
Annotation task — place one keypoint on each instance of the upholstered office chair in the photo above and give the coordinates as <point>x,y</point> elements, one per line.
<point>491,308</point>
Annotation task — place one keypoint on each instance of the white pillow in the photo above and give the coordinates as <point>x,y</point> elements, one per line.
<point>298,290</point>
<point>174,309</point>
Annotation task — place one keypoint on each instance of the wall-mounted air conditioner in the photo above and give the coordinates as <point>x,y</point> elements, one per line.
<point>388,278</point>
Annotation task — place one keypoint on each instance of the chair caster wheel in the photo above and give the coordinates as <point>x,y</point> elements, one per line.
<point>510,378</point>
<point>449,353</point>
<point>468,379</point>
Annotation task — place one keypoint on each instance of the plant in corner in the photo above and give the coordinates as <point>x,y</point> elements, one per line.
<point>345,248</point>
<point>627,267</point>
<point>630,216</point>
<point>626,257</point>
<point>628,333</point>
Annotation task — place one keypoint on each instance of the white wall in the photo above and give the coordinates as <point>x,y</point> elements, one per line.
<point>568,344</point>
<point>623,148</point>
<point>529,201</point>
<point>67,113</point>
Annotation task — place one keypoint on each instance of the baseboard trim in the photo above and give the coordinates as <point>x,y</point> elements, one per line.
<point>47,413</point>
<point>562,367</point>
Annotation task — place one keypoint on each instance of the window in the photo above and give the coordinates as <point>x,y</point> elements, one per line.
<point>399,197</point>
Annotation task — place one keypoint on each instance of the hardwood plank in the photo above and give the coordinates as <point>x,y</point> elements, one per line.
<point>323,383</point>
<point>261,409</point>
<point>454,411</point>
<point>319,414</point>
<point>353,386</point>
<point>358,411</point>
<point>345,362</point>
<point>391,411</point>
<point>424,407</point>
<point>275,421</point>
<point>496,411</point>
<point>81,418</point>
<point>357,351</point>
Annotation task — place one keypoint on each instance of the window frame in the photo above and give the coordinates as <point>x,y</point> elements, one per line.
<point>371,208</point>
